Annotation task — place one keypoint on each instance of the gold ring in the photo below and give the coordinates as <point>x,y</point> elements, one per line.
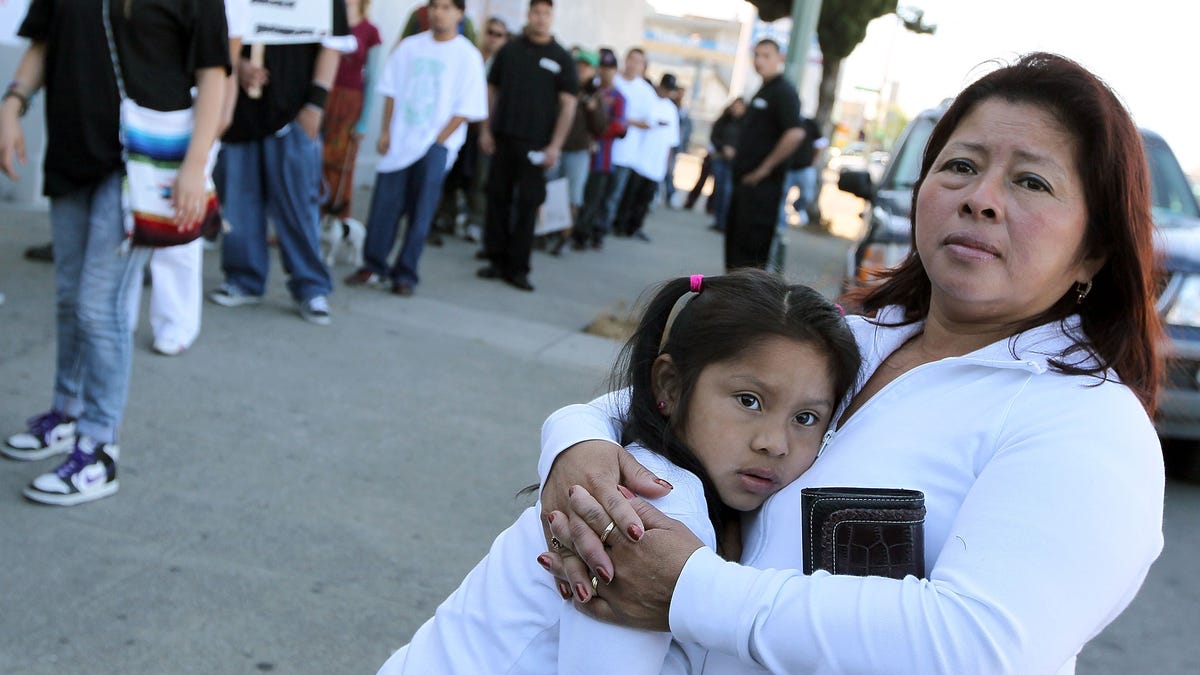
<point>595,584</point>
<point>555,544</point>
<point>607,531</point>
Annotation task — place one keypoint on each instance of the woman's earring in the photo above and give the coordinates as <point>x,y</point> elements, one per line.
<point>1082,289</point>
<point>662,405</point>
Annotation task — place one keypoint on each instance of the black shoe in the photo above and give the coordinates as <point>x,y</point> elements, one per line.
<point>641,236</point>
<point>433,239</point>
<point>489,272</point>
<point>558,247</point>
<point>481,255</point>
<point>44,253</point>
<point>520,281</point>
<point>402,289</point>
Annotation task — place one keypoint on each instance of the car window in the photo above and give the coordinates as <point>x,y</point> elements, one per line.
<point>1171,194</point>
<point>906,164</point>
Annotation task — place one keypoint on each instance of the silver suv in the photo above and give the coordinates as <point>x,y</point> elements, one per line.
<point>887,240</point>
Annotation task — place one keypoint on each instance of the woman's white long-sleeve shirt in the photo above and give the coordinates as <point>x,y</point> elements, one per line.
<point>1044,498</point>
<point>507,617</point>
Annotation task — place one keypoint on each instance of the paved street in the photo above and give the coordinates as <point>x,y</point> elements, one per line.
<point>298,499</point>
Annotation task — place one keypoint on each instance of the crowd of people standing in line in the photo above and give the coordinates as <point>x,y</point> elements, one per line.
<point>501,119</point>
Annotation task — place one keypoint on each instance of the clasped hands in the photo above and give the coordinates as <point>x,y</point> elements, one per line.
<point>629,577</point>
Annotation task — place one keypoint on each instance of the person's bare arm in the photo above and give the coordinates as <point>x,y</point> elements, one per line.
<point>29,78</point>
<point>566,113</point>
<point>229,102</point>
<point>323,73</point>
<point>487,142</point>
<point>188,193</point>
<point>450,128</point>
<point>385,126</point>
<point>784,148</point>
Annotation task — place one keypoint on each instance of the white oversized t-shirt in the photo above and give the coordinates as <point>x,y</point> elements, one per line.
<point>657,141</point>
<point>639,99</point>
<point>430,82</point>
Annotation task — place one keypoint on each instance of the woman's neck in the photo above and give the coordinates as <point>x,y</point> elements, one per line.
<point>729,539</point>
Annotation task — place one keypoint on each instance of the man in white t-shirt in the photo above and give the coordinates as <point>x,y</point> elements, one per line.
<point>432,85</point>
<point>639,99</point>
<point>649,167</point>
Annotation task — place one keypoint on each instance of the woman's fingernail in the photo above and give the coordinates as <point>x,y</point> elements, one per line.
<point>664,483</point>
<point>625,491</point>
<point>564,590</point>
<point>544,561</point>
<point>604,575</point>
<point>582,592</point>
<point>550,519</point>
<point>571,491</point>
<point>635,533</point>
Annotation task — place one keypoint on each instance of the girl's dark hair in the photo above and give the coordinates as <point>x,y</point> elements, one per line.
<point>1122,329</point>
<point>730,314</point>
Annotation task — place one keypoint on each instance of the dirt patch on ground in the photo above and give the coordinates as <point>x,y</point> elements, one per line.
<point>616,322</point>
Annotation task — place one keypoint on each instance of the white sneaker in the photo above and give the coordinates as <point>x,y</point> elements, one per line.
<point>228,295</point>
<point>168,347</point>
<point>47,434</point>
<point>90,473</point>
<point>316,310</point>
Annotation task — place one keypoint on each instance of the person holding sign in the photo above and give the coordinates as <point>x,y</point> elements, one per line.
<point>271,163</point>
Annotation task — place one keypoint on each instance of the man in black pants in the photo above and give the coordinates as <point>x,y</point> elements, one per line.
<point>532,89</point>
<point>771,132</point>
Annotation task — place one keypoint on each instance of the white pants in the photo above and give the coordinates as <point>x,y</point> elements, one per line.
<point>175,294</point>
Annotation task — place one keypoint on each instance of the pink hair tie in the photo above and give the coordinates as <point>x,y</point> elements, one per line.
<point>697,282</point>
<point>840,310</point>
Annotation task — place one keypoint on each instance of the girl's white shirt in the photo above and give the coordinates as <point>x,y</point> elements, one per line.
<point>507,616</point>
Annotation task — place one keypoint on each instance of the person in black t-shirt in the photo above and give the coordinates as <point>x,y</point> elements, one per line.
<point>164,48</point>
<point>770,133</point>
<point>802,173</point>
<point>532,89</point>
<point>271,163</point>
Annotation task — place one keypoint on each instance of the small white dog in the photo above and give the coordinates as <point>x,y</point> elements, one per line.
<point>339,237</point>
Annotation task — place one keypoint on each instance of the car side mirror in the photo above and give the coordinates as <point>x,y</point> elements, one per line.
<point>857,183</point>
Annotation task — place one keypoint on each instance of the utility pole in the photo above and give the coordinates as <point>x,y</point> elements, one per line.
<point>805,14</point>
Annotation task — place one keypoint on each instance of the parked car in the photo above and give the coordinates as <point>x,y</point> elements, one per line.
<point>887,240</point>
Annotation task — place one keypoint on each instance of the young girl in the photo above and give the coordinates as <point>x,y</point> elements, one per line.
<point>732,381</point>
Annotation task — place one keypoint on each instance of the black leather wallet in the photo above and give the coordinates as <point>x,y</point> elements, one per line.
<point>864,531</point>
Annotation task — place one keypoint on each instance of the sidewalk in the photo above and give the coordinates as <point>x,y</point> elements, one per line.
<point>298,499</point>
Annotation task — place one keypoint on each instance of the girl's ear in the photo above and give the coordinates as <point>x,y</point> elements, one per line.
<point>664,381</point>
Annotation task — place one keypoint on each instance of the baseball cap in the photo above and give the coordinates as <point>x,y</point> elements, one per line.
<point>668,82</point>
<point>608,58</point>
<point>588,57</point>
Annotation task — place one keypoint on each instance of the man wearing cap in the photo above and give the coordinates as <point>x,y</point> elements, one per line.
<point>532,88</point>
<point>650,165</point>
<point>771,132</point>
<point>593,221</point>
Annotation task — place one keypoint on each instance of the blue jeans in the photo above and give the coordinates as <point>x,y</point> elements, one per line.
<point>280,176</point>
<point>620,176</point>
<point>95,282</point>
<point>413,191</point>
<point>575,165</point>
<point>806,180</point>
<point>722,172</point>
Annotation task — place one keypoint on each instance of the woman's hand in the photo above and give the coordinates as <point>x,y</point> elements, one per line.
<point>188,195</point>
<point>641,597</point>
<point>598,468</point>
<point>383,142</point>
